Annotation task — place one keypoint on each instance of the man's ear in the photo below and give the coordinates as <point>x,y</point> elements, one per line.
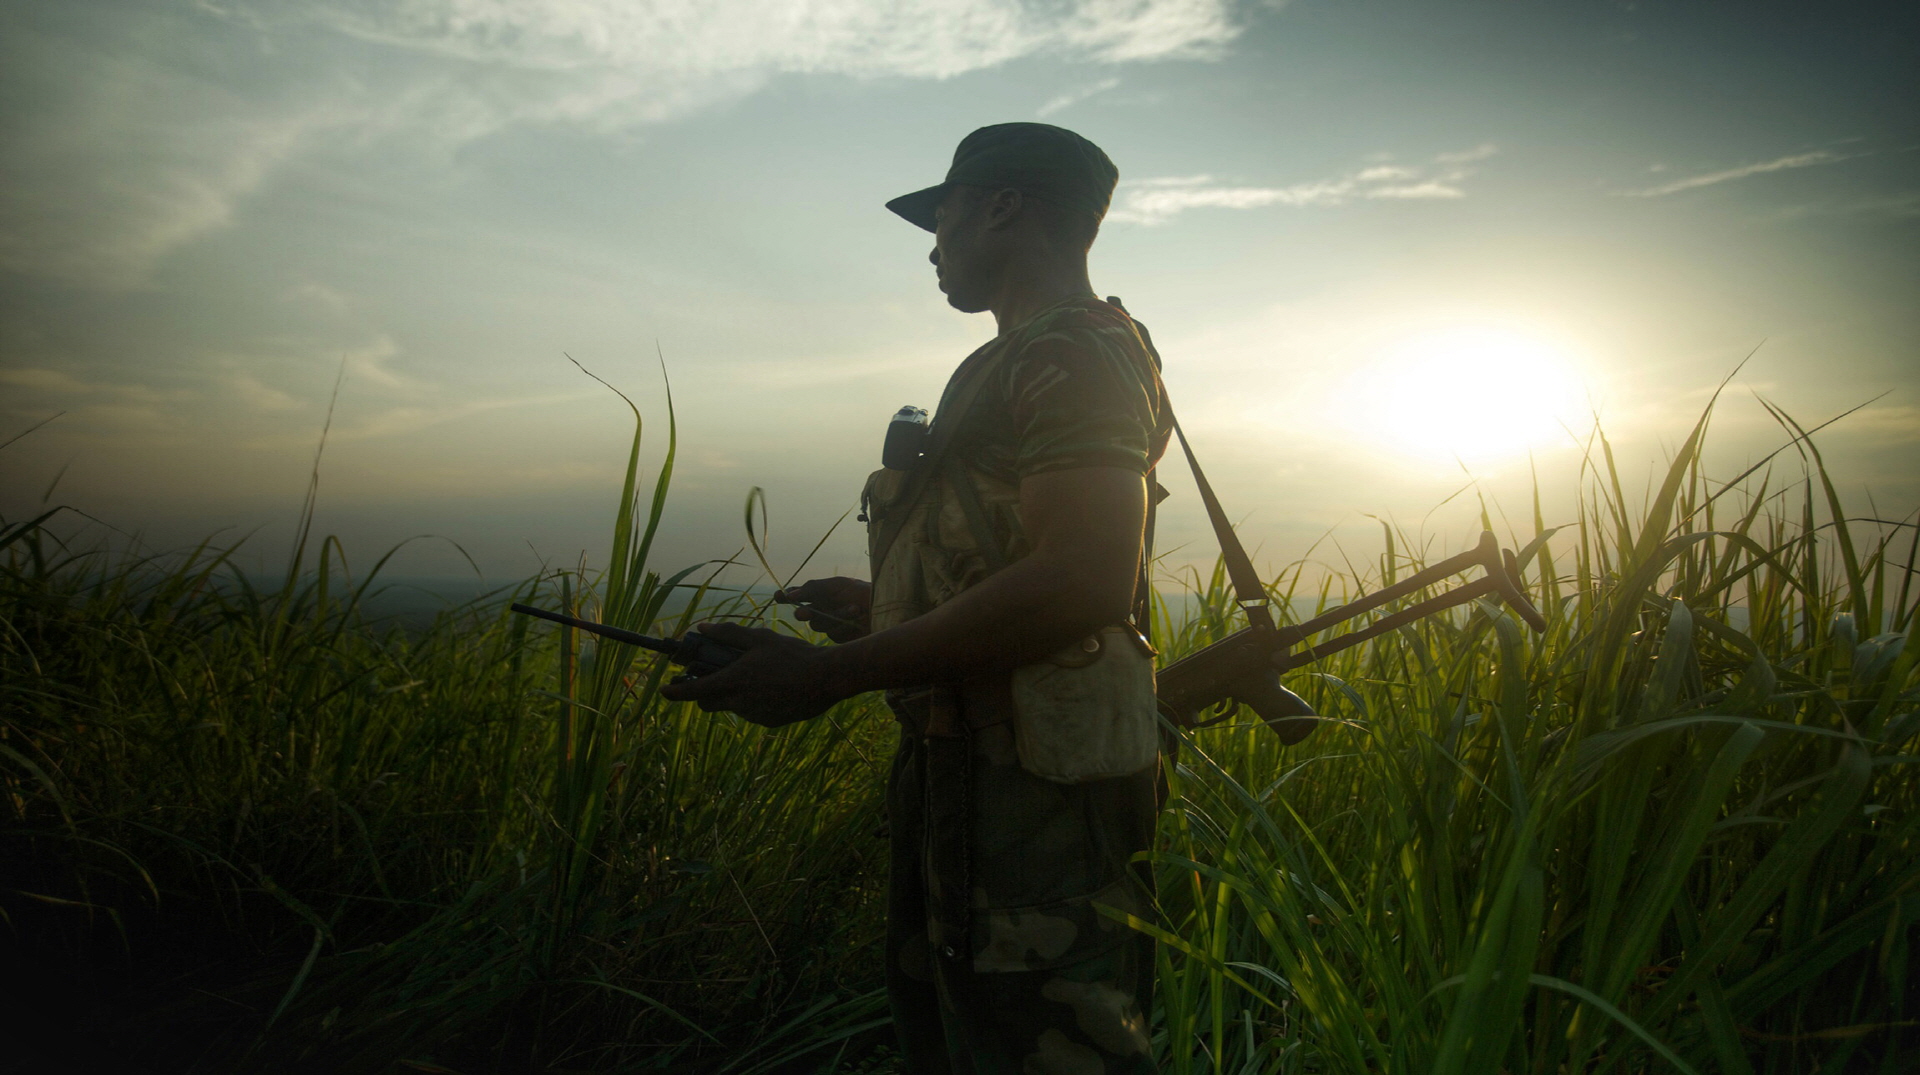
<point>1004,208</point>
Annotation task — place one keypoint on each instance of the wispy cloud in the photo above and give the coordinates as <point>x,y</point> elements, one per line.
<point>160,164</point>
<point>63,385</point>
<point>401,421</point>
<point>319,296</point>
<point>369,363</point>
<point>259,396</point>
<point>1075,96</point>
<point>133,146</point>
<point>1797,160</point>
<point>90,403</point>
<point>918,38</point>
<point>1156,201</point>
<point>1900,205</point>
<point>1893,423</point>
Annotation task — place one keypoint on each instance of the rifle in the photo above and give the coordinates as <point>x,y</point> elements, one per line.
<point>693,651</point>
<point>1245,666</point>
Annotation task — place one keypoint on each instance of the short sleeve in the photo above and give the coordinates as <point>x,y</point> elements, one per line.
<point>1083,393</point>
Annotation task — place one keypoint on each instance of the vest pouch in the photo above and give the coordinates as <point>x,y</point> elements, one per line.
<point>879,500</point>
<point>1088,712</point>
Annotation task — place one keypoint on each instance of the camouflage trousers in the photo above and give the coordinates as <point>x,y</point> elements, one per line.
<point>998,962</point>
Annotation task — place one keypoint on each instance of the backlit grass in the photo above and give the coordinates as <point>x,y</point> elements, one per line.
<point>248,829</point>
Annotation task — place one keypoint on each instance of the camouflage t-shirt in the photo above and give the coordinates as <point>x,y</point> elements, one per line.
<point>1078,390</point>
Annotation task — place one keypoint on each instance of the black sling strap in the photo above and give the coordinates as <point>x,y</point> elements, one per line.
<point>1248,591</point>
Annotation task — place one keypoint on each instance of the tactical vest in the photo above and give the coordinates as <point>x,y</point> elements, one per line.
<point>930,539</point>
<point>1085,713</point>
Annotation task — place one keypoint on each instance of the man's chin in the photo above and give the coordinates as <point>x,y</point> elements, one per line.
<point>966,305</point>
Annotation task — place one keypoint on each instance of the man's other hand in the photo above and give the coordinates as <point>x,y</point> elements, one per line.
<point>776,680</point>
<point>837,607</point>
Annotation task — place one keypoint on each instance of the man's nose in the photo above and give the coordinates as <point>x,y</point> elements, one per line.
<point>934,256</point>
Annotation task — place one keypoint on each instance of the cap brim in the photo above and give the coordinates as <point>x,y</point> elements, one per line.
<point>917,208</point>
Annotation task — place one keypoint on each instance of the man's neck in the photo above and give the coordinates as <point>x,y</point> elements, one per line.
<point>1023,294</point>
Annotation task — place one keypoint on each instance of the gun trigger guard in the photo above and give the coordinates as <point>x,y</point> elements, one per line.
<point>1213,714</point>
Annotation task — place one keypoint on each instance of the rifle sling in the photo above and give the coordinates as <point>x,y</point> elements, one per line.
<point>976,513</point>
<point>1248,591</point>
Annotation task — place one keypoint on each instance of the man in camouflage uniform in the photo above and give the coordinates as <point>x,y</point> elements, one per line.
<point>1007,566</point>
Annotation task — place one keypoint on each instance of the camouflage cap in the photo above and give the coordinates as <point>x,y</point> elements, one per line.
<point>1035,158</point>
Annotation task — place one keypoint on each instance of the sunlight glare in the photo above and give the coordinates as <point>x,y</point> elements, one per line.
<point>1475,394</point>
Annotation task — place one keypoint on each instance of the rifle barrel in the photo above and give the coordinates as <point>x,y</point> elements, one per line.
<point>1459,595</point>
<point>631,638</point>
<point>1499,579</point>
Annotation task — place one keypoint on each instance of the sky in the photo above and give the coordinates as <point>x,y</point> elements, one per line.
<point>1389,250</point>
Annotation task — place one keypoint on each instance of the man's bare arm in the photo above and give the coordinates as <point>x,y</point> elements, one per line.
<point>1085,526</point>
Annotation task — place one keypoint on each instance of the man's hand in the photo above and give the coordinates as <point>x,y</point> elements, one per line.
<point>777,679</point>
<point>837,607</point>
<point>1085,528</point>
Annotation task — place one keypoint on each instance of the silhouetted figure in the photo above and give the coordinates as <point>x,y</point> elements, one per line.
<point>1005,559</point>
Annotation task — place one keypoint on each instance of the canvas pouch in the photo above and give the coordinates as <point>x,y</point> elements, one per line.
<point>1088,712</point>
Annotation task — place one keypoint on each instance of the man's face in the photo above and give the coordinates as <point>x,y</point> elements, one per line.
<point>965,257</point>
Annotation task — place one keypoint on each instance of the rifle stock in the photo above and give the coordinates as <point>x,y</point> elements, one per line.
<point>1245,666</point>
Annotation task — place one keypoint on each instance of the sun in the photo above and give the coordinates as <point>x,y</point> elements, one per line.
<point>1474,394</point>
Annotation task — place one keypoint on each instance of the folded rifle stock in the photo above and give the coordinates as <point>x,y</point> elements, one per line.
<point>1245,667</point>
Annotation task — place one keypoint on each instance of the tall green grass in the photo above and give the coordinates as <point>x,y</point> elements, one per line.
<point>1676,833</point>
<point>252,829</point>
<point>273,834</point>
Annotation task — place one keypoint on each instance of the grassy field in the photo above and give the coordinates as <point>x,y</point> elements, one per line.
<point>248,829</point>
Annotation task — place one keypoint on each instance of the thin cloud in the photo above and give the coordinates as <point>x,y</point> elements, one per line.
<point>134,147</point>
<point>815,371</point>
<point>695,38</point>
<point>1156,201</point>
<point>1797,160</point>
<point>319,296</point>
<point>369,363</point>
<point>1901,205</point>
<point>260,396</point>
<point>1074,97</point>
<point>1467,156</point>
<point>104,210</point>
<point>60,383</point>
<point>96,405</point>
<point>1891,424</point>
<point>401,421</point>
